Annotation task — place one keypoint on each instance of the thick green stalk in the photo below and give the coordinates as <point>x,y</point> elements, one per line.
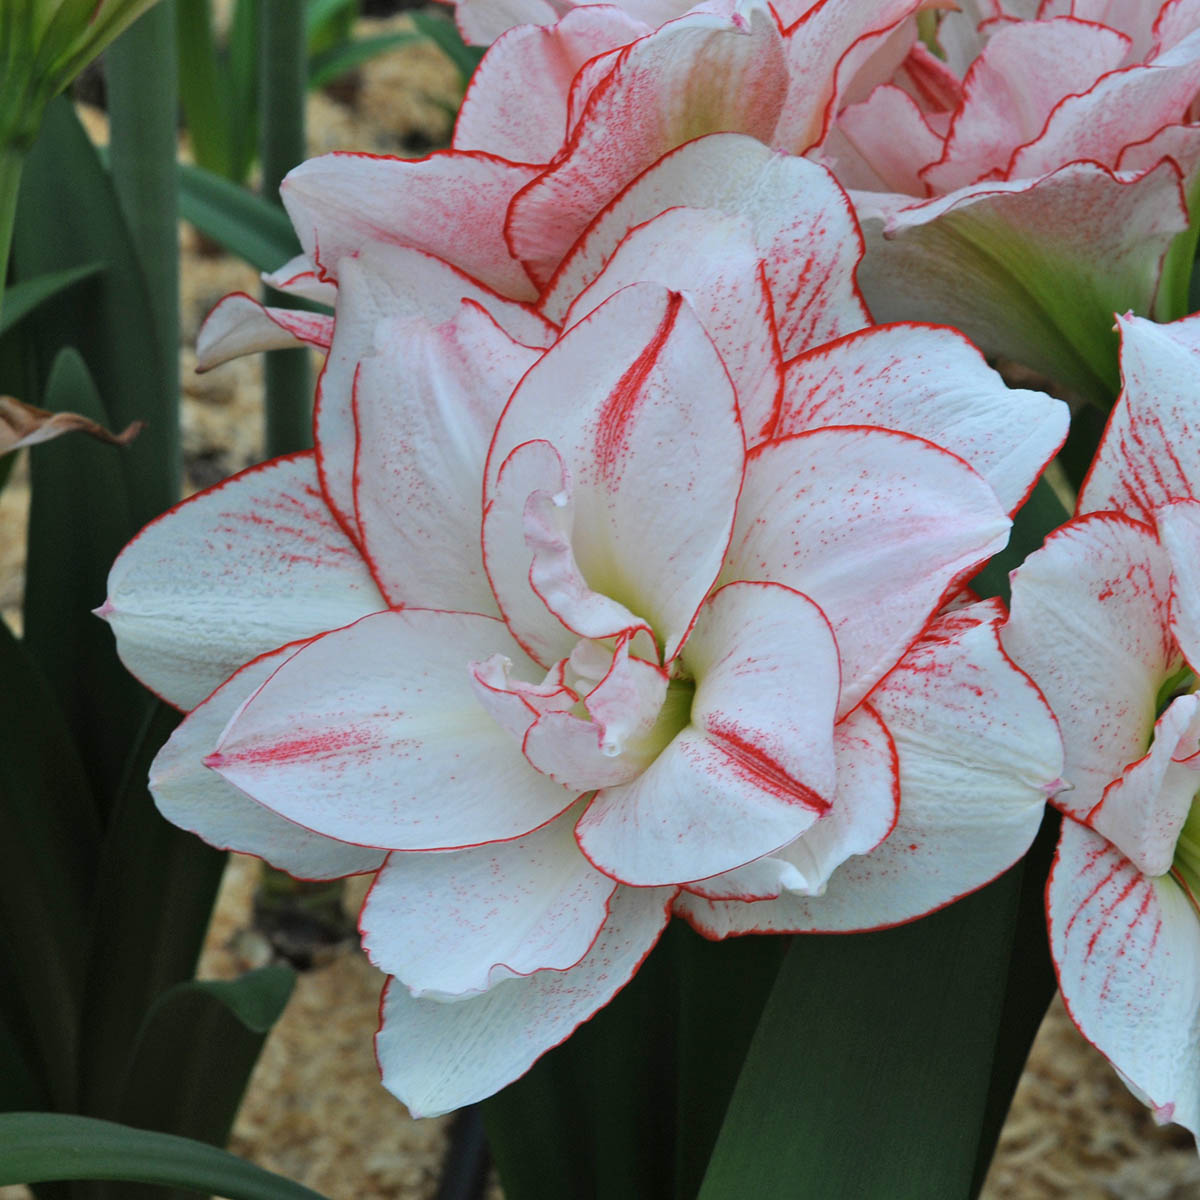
<point>11,162</point>
<point>283,68</point>
<point>143,102</point>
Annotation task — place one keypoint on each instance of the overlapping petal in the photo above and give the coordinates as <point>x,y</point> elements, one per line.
<point>241,325</point>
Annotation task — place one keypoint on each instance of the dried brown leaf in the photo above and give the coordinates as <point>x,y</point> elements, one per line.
<point>23,425</point>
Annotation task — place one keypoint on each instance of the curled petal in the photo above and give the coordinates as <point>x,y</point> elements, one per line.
<point>300,276</point>
<point>753,769</point>
<point>240,325</point>
<point>439,1055</point>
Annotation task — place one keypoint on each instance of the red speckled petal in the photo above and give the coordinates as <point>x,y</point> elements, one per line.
<point>373,734</point>
<point>754,769</point>
<point>652,445</point>
<point>876,526</point>
<point>1179,531</point>
<point>426,407</point>
<point>979,752</point>
<point>1127,950</point>
<point>929,381</point>
<point>714,261</point>
<point>801,220</point>
<point>1090,624</point>
<point>460,921</point>
<point>1143,811</point>
<point>439,1055</point>
<point>450,204</point>
<point>241,325</point>
<point>863,813</point>
<point>700,74</point>
<point>1150,453</point>
<point>193,797</point>
<point>231,573</point>
<point>516,104</point>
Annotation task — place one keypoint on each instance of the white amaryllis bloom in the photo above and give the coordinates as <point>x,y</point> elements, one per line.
<point>1106,618</point>
<point>581,614</point>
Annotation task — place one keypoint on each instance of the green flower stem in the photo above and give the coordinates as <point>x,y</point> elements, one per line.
<point>283,67</point>
<point>11,162</point>
<point>143,102</point>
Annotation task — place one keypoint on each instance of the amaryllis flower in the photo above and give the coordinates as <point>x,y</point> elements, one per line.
<point>581,614</point>
<point>1106,618</point>
<point>1034,181</point>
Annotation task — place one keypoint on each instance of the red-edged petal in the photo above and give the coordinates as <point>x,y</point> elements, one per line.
<point>755,767</point>
<point>450,204</point>
<point>864,811</point>
<point>240,325</point>
<point>714,261</point>
<point>1150,453</point>
<point>373,734</point>
<point>1089,624</point>
<point>929,381</point>
<point>703,73</point>
<point>1125,106</point>
<point>1127,951</point>
<point>438,1055</point>
<point>802,222</point>
<point>1028,270</point>
<point>1143,811</point>
<point>516,104</point>
<point>300,276</point>
<point>425,408</point>
<point>460,921</point>
<point>1024,71</point>
<point>394,283</point>
<point>1179,531</point>
<point>196,798</point>
<point>876,526</point>
<point>481,22</point>
<point>231,573</point>
<point>979,752</point>
<point>881,144</point>
<point>652,445</point>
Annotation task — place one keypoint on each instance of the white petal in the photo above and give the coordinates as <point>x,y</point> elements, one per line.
<point>300,276</point>
<point>979,752</point>
<point>241,325</point>
<point>1127,951</point>
<point>374,734</point>
<point>231,573</point>
<point>930,381</point>
<point>450,922</point>
<point>426,407</point>
<point>196,798</point>
<point>440,1055</point>
<point>877,527</point>
<point>1090,624</point>
<point>1179,531</point>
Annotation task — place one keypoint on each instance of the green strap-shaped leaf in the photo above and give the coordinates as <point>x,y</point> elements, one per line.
<point>46,1146</point>
<point>105,318</point>
<point>868,1076</point>
<point>154,893</point>
<point>203,93</point>
<point>47,868</point>
<point>78,521</point>
<point>245,224</point>
<point>23,298</point>
<point>194,1055</point>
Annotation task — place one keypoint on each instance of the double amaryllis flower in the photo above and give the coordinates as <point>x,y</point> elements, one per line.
<point>633,593</point>
<point>1106,617</point>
